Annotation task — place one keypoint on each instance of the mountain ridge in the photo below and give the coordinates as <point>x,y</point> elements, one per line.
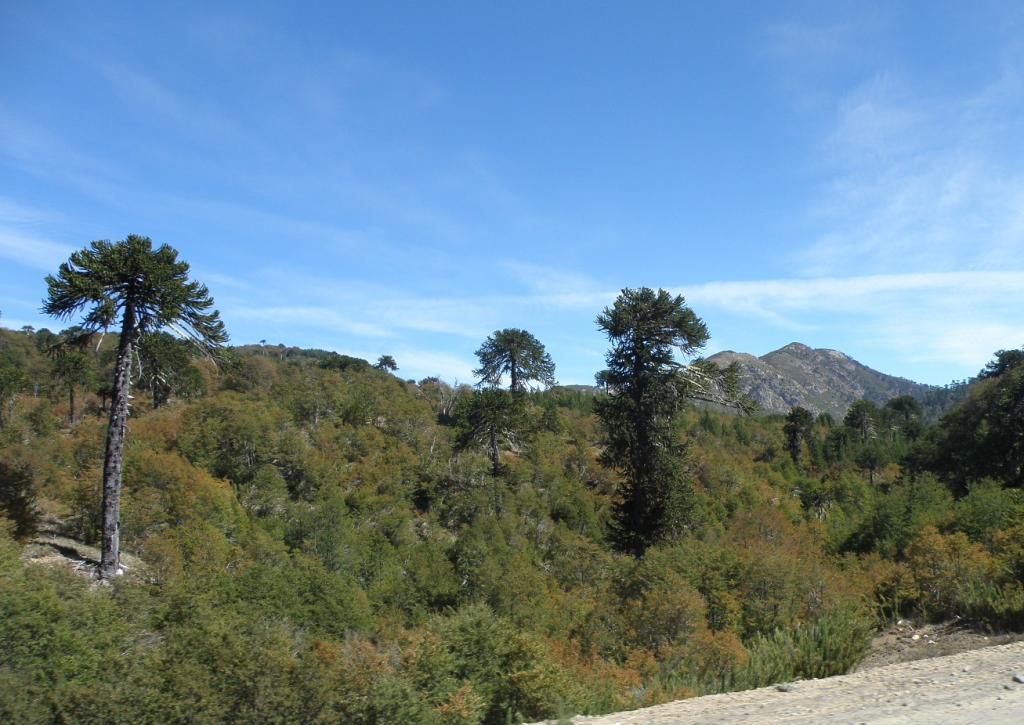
<point>822,380</point>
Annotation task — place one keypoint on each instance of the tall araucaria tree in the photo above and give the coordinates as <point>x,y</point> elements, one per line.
<point>518,354</point>
<point>647,388</point>
<point>142,290</point>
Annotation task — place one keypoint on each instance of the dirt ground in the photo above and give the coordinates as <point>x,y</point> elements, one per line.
<point>906,641</point>
<point>50,548</point>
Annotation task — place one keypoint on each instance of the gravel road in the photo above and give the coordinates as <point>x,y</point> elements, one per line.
<point>970,687</point>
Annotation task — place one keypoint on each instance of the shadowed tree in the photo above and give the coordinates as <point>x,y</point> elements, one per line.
<point>12,380</point>
<point>647,387</point>
<point>798,429</point>
<point>142,290</point>
<point>166,369</point>
<point>519,355</point>
<point>862,417</point>
<point>73,368</point>
<point>903,416</point>
<point>492,419</point>
<point>1004,360</point>
<point>386,362</point>
<point>983,436</point>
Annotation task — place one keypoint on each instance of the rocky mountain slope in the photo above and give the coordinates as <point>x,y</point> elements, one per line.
<point>818,379</point>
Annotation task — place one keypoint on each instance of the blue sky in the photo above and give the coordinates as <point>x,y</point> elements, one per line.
<point>405,178</point>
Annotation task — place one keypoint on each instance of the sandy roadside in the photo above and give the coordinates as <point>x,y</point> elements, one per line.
<point>970,687</point>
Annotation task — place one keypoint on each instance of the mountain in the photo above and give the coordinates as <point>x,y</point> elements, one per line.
<point>820,380</point>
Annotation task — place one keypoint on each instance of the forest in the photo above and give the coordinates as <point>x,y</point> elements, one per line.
<point>312,538</point>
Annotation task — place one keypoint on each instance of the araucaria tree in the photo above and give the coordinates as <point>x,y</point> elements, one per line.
<point>142,290</point>
<point>492,419</point>
<point>166,369</point>
<point>646,389</point>
<point>72,368</point>
<point>799,423</point>
<point>519,355</point>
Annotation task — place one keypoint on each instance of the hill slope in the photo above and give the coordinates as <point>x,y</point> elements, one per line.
<point>820,380</point>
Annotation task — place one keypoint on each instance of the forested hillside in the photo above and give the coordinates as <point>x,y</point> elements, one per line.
<point>323,541</point>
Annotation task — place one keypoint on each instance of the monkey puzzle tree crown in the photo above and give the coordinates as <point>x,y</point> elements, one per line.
<point>517,353</point>
<point>145,287</point>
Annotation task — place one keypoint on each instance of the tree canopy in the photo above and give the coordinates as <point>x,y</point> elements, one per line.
<point>515,353</point>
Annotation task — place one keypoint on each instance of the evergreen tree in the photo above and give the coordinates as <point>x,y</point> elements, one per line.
<point>984,435</point>
<point>73,368</point>
<point>165,368</point>
<point>797,429</point>
<point>518,354</point>
<point>12,380</point>
<point>1004,360</point>
<point>493,419</point>
<point>386,362</point>
<point>646,388</point>
<point>144,290</point>
<point>862,417</point>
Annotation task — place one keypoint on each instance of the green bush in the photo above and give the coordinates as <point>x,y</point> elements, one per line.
<point>18,498</point>
<point>831,645</point>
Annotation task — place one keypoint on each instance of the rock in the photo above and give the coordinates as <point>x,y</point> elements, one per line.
<point>967,668</point>
<point>1019,678</point>
<point>785,687</point>
<point>916,637</point>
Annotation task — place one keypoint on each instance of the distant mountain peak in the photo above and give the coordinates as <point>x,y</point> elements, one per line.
<point>819,379</point>
<point>797,348</point>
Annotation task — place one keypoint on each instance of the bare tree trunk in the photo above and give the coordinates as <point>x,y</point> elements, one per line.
<point>113,459</point>
<point>71,405</point>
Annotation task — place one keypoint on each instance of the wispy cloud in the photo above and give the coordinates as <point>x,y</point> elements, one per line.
<point>36,150</point>
<point>31,251</point>
<point>20,240</point>
<point>14,212</point>
<point>921,182</point>
<point>141,92</point>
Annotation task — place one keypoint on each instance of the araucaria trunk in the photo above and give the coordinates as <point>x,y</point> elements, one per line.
<point>113,459</point>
